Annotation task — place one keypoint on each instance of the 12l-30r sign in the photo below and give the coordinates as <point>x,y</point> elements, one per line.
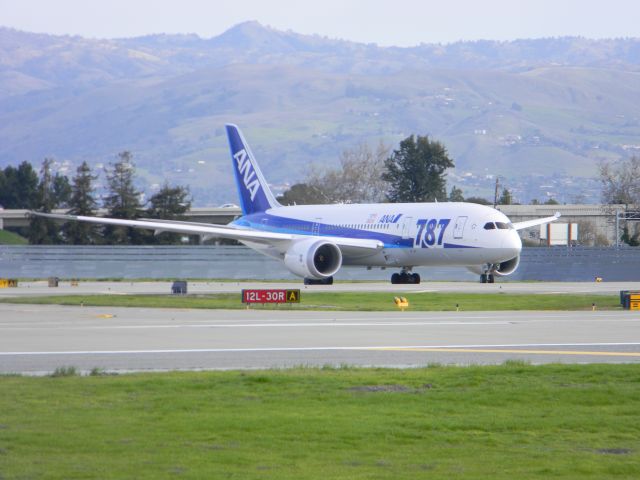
<point>270,296</point>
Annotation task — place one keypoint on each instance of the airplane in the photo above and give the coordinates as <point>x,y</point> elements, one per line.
<point>315,241</point>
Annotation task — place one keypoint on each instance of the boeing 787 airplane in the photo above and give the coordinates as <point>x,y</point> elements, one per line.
<point>315,241</point>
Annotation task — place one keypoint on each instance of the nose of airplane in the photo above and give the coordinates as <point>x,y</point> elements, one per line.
<point>512,242</point>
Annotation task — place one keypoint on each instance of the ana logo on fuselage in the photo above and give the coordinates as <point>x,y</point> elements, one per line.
<point>391,218</point>
<point>247,173</point>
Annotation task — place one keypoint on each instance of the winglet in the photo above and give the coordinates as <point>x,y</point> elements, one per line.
<point>537,221</point>
<point>255,195</point>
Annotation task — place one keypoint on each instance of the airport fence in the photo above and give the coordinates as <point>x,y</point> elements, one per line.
<point>238,262</point>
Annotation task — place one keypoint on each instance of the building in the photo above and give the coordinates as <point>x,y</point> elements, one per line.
<point>596,223</point>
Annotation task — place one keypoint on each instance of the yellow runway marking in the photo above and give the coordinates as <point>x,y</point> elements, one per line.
<point>502,350</point>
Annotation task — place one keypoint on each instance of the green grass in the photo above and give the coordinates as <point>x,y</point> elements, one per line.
<point>502,422</point>
<point>355,301</point>
<point>10,238</point>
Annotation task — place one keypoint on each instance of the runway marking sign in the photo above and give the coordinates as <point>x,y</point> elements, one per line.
<point>271,295</point>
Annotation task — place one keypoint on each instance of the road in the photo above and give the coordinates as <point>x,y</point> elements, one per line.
<point>37,339</point>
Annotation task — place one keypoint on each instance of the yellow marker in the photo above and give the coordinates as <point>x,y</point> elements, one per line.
<point>401,303</point>
<point>105,315</point>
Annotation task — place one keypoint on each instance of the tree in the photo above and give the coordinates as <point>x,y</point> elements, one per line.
<point>633,240</point>
<point>620,186</point>
<point>82,202</point>
<point>620,182</point>
<point>456,195</point>
<point>357,180</point>
<point>19,187</point>
<point>302,194</point>
<point>43,230</point>
<point>122,201</point>
<point>551,201</point>
<point>478,200</point>
<point>416,171</point>
<point>169,203</point>
<point>505,198</point>
<point>61,189</point>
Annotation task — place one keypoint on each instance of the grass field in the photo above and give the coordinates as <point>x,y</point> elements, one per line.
<point>10,238</point>
<point>513,421</point>
<point>357,301</point>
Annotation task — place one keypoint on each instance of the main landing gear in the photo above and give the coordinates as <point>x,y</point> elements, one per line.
<point>313,281</point>
<point>405,277</point>
<point>487,278</point>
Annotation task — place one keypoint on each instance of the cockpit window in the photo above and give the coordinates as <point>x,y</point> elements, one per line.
<point>489,226</point>
<point>502,226</point>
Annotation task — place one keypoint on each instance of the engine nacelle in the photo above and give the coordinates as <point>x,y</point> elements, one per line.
<point>313,258</point>
<point>501,269</point>
<point>507,267</point>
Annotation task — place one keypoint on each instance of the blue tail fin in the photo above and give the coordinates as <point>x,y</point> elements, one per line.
<point>255,195</point>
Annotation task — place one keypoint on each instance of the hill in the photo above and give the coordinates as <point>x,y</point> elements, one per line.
<point>540,113</point>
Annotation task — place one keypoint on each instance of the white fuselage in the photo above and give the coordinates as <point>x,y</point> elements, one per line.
<point>413,234</point>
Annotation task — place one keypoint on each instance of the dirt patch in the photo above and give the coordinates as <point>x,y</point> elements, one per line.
<point>389,388</point>
<point>614,451</point>
<point>380,388</point>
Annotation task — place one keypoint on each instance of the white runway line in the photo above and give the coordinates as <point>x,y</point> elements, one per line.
<point>276,325</point>
<point>311,349</point>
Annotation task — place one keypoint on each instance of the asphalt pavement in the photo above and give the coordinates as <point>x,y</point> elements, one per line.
<point>37,339</point>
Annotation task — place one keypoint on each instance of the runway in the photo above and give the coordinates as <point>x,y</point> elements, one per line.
<point>37,339</point>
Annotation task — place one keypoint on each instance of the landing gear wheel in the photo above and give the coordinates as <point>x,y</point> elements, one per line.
<point>405,278</point>
<point>491,278</point>
<point>483,278</point>
<point>313,281</point>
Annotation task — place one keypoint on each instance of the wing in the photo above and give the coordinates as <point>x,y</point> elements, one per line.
<point>279,240</point>
<point>537,221</point>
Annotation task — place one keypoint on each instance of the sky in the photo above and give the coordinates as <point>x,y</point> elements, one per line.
<point>390,22</point>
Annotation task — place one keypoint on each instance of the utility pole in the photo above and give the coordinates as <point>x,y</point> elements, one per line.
<point>617,229</point>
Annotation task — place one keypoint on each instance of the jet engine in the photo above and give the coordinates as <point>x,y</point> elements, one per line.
<point>507,267</point>
<point>313,258</point>
<point>502,269</point>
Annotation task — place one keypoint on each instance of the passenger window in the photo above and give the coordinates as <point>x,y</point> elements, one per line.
<point>489,226</point>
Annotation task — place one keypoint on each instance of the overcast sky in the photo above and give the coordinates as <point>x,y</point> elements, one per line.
<point>385,22</point>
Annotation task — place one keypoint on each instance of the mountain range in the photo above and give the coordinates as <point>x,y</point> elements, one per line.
<point>538,113</point>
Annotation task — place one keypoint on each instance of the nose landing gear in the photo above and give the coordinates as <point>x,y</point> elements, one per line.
<point>405,277</point>
<point>488,271</point>
<point>487,278</point>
